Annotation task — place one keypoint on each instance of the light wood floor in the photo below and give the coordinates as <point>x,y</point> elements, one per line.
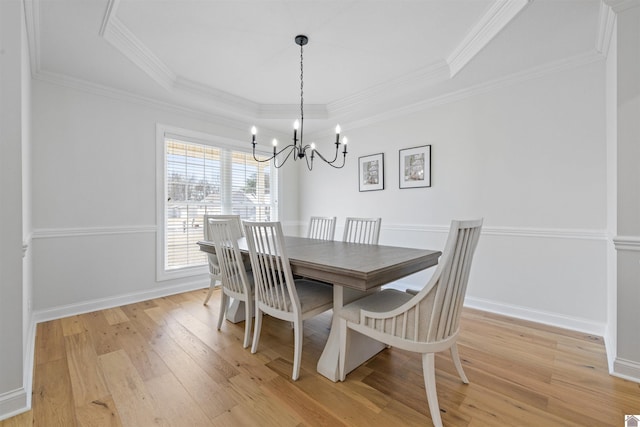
<point>162,362</point>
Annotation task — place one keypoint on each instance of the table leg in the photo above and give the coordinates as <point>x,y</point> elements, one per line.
<point>361,348</point>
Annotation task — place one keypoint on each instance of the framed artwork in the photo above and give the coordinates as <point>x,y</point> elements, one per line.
<point>415,167</point>
<point>371,172</point>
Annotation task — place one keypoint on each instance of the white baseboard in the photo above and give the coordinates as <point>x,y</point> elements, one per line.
<point>116,301</point>
<point>547,318</point>
<point>626,369</point>
<point>15,402</point>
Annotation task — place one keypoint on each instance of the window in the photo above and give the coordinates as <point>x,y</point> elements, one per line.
<point>198,175</point>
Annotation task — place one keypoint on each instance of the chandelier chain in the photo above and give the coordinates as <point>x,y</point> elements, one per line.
<point>301,93</point>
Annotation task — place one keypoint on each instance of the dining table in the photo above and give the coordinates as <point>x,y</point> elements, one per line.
<point>355,270</point>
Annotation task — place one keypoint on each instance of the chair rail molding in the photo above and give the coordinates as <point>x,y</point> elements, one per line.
<point>48,233</point>
<point>627,243</point>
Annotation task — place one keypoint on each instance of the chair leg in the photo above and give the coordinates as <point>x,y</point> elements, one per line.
<point>343,349</point>
<point>256,330</point>
<point>297,348</point>
<point>211,287</point>
<point>248,308</point>
<point>224,303</point>
<point>456,360</point>
<point>429,373</point>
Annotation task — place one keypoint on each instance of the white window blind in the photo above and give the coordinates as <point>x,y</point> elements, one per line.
<point>204,179</point>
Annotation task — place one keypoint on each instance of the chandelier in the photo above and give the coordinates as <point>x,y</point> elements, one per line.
<point>298,149</point>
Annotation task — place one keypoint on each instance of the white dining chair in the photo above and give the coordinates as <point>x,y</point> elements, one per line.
<point>322,227</point>
<point>426,322</point>
<point>233,275</point>
<point>214,270</point>
<point>362,230</point>
<point>276,292</point>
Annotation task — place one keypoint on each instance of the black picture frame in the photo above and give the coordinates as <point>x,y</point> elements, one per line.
<point>371,172</point>
<point>415,167</point>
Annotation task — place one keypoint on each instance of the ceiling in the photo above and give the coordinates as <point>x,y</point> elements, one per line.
<point>238,60</point>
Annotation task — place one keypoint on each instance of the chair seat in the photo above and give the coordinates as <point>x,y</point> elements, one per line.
<point>313,294</point>
<point>385,300</point>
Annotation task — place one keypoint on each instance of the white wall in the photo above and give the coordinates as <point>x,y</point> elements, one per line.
<point>529,157</point>
<point>14,390</point>
<point>94,197</point>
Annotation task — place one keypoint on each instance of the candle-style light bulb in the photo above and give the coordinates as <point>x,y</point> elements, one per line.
<point>313,145</point>
<point>338,129</point>
<point>274,142</point>
<point>296,124</point>
<point>344,141</point>
<point>337,134</point>
<point>253,133</point>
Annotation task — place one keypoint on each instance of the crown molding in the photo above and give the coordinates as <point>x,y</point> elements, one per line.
<point>225,105</point>
<point>536,72</point>
<point>287,111</point>
<point>230,101</point>
<point>622,5</point>
<point>112,6</point>
<point>418,80</point>
<point>116,33</point>
<point>126,96</point>
<point>501,13</point>
<point>606,21</point>
<point>32,24</point>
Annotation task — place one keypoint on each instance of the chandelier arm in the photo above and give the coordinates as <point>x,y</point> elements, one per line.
<point>309,164</point>
<point>293,150</point>
<point>275,154</point>
<point>330,163</point>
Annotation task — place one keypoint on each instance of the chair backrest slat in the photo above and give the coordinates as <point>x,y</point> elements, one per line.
<point>362,230</point>
<point>223,232</point>
<point>236,225</point>
<point>274,284</point>
<point>323,228</point>
<point>452,275</point>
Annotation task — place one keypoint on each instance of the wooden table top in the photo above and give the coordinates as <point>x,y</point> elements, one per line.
<point>353,265</point>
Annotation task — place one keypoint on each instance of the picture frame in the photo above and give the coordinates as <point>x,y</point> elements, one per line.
<point>415,167</point>
<point>371,172</point>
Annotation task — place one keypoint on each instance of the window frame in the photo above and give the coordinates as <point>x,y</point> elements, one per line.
<point>190,136</point>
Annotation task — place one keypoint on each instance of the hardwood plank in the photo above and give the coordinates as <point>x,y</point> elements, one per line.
<point>22,420</point>
<point>115,316</point>
<point>175,404</point>
<point>87,381</point>
<point>254,399</point>
<point>72,325</point>
<point>300,403</point>
<point>212,397</point>
<point>52,398</point>
<point>135,404</point>
<point>102,334</point>
<point>98,413</point>
<point>49,342</point>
